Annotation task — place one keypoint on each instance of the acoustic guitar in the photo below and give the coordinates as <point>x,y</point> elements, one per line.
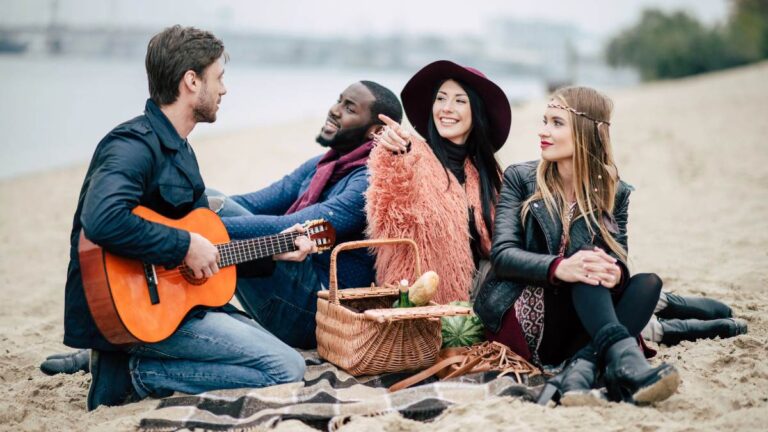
<point>136,302</point>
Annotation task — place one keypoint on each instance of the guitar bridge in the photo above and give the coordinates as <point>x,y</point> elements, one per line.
<point>150,274</point>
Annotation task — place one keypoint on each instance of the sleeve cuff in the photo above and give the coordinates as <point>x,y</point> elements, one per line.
<point>180,249</point>
<point>551,274</point>
<point>624,272</point>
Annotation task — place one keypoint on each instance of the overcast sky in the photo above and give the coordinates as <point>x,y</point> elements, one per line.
<point>350,17</point>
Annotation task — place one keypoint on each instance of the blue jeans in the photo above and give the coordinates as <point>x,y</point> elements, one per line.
<point>218,351</point>
<point>223,206</point>
<point>284,303</point>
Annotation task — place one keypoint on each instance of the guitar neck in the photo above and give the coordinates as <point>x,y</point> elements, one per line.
<point>240,251</point>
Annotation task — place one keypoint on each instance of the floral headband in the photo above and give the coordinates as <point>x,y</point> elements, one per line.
<point>579,113</point>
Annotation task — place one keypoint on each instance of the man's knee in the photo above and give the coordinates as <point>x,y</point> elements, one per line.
<point>293,368</point>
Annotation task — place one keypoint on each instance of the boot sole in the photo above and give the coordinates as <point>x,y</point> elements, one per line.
<point>92,361</point>
<point>661,390</point>
<point>592,398</point>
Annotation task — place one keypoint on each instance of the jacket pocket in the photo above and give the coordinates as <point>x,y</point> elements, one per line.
<point>174,187</point>
<point>494,298</point>
<point>176,195</point>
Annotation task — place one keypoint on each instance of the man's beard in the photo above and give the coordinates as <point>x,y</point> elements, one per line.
<point>345,139</point>
<point>205,109</point>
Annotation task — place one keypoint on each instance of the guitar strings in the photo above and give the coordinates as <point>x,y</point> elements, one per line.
<point>176,272</point>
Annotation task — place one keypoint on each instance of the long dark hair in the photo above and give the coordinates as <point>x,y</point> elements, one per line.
<point>480,151</point>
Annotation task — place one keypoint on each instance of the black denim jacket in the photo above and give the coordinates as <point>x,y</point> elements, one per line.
<point>144,162</point>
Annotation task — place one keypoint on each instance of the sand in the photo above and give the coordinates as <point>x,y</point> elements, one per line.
<point>694,149</point>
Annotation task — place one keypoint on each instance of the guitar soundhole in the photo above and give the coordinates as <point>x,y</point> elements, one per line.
<point>189,276</point>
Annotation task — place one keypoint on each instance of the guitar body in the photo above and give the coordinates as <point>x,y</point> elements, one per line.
<point>118,291</point>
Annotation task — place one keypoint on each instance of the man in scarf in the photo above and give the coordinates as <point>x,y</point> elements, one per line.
<point>331,187</point>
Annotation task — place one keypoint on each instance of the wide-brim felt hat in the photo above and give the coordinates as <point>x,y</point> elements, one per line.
<point>419,92</point>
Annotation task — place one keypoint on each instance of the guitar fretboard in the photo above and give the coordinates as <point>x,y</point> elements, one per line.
<point>238,251</point>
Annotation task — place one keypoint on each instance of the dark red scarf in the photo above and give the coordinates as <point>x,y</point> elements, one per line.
<point>330,169</point>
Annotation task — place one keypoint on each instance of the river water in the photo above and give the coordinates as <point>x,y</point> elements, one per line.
<point>54,110</point>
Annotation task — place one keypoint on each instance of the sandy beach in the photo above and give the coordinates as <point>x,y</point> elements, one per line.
<point>693,148</point>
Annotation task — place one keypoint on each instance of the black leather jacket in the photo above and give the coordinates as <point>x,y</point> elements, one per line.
<point>522,253</point>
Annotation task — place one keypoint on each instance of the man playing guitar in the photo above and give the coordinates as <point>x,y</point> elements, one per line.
<point>147,161</point>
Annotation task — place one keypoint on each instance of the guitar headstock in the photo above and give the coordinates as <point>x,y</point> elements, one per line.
<point>321,232</point>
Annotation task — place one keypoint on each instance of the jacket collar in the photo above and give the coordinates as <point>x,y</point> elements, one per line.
<point>163,127</point>
<point>552,229</point>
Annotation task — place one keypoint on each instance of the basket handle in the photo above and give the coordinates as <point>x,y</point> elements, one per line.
<point>334,283</point>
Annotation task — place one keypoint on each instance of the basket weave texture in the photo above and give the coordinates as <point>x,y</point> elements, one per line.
<point>358,331</point>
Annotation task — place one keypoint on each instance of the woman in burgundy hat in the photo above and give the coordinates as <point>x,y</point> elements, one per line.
<point>441,192</point>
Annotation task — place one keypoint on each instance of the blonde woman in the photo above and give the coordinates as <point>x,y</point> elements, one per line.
<point>563,290</point>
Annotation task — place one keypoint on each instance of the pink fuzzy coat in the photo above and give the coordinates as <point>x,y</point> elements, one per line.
<point>409,197</point>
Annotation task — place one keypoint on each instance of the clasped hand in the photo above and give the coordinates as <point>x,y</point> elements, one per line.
<point>593,267</point>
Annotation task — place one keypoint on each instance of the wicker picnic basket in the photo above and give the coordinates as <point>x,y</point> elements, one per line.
<point>359,331</point>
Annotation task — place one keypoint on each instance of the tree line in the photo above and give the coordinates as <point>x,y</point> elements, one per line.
<point>670,45</point>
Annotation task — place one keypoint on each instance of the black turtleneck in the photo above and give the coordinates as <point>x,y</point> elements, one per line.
<point>457,155</point>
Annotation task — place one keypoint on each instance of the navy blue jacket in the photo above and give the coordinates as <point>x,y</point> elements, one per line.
<point>145,162</point>
<point>341,203</point>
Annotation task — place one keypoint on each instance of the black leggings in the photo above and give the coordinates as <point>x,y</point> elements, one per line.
<point>595,307</point>
<point>575,314</point>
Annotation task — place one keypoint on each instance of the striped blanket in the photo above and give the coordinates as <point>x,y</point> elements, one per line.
<point>327,398</point>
